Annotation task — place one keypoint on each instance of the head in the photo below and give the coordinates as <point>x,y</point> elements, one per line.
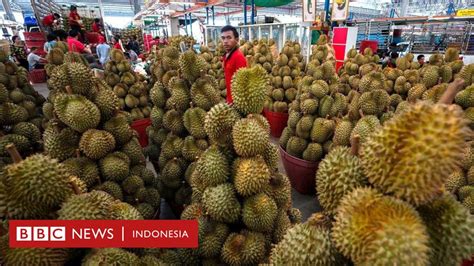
<point>116,39</point>
<point>56,16</point>
<point>61,35</point>
<point>127,47</point>
<point>101,39</point>
<point>16,39</point>
<point>33,49</point>
<point>73,8</point>
<point>421,59</point>
<point>394,55</point>
<point>73,33</point>
<point>134,37</point>
<point>97,20</point>
<point>230,37</point>
<point>51,37</point>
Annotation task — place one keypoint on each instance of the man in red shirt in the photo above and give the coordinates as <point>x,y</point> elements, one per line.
<point>49,21</point>
<point>233,59</point>
<point>75,22</point>
<point>75,45</point>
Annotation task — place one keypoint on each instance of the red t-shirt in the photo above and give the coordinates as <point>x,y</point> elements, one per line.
<point>73,16</point>
<point>75,45</point>
<point>48,20</point>
<point>118,46</point>
<point>95,27</point>
<point>231,64</point>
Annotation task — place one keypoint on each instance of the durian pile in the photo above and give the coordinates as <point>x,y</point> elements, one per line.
<point>59,55</point>
<point>216,70</point>
<point>21,117</point>
<point>286,74</point>
<point>127,33</point>
<point>263,54</point>
<point>248,50</point>
<point>178,124</point>
<point>129,86</point>
<point>174,41</point>
<point>383,199</point>
<point>242,203</point>
<point>40,187</point>
<point>89,134</point>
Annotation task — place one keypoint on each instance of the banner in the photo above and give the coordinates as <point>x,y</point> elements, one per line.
<point>103,233</point>
<point>340,10</point>
<point>309,10</point>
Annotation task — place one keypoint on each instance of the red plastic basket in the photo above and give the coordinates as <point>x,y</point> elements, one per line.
<point>140,127</point>
<point>277,121</point>
<point>369,44</point>
<point>302,173</point>
<point>37,75</point>
<point>34,36</point>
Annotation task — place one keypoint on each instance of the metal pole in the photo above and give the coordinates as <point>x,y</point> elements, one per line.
<point>185,21</point>
<point>245,12</point>
<point>213,16</point>
<point>136,7</point>
<point>207,15</point>
<point>253,12</point>
<point>8,10</point>
<point>191,22</point>
<point>326,8</point>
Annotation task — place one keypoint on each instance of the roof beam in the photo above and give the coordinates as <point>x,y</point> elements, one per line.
<point>198,6</point>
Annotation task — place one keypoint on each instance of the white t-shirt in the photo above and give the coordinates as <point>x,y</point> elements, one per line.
<point>33,59</point>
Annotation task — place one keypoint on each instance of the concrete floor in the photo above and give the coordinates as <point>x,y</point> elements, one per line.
<point>307,204</point>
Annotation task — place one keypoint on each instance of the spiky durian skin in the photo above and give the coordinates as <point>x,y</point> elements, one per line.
<point>248,90</point>
<point>119,127</point>
<point>251,175</point>
<point>414,152</point>
<point>212,168</point>
<point>96,143</point>
<point>35,256</point>
<point>193,120</point>
<point>212,236</point>
<point>305,244</point>
<point>125,211</point>
<point>219,122</point>
<point>38,180</point>
<point>77,112</point>
<point>110,256</point>
<point>249,138</point>
<point>259,213</point>
<point>244,248</point>
<point>374,229</point>
<point>338,174</point>
<point>95,205</point>
<point>221,204</point>
<point>451,230</point>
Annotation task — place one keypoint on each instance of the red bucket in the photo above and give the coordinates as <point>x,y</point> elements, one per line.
<point>302,173</point>
<point>37,76</point>
<point>277,122</point>
<point>140,127</point>
<point>468,262</point>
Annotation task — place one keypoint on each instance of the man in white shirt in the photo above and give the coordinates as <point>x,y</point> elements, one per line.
<point>103,51</point>
<point>34,60</point>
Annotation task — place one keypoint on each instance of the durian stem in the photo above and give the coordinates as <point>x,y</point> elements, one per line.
<point>355,145</point>
<point>451,91</point>
<point>361,113</point>
<point>76,189</point>
<point>157,212</point>
<point>14,154</point>
<point>68,90</point>
<point>78,153</point>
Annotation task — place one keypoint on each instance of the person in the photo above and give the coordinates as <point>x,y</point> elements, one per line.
<point>75,45</point>
<point>393,59</point>
<point>61,35</point>
<point>134,44</point>
<point>18,50</point>
<point>103,50</point>
<point>97,27</point>
<point>421,59</point>
<point>131,54</point>
<point>50,21</point>
<point>35,61</point>
<point>75,22</point>
<point>233,58</point>
<point>117,43</point>
<point>49,45</point>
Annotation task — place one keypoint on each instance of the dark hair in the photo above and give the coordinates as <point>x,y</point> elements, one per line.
<point>51,37</point>
<point>73,33</point>
<point>56,15</point>
<point>14,38</point>
<point>420,56</point>
<point>230,28</point>
<point>127,47</point>
<point>116,38</point>
<point>73,7</point>
<point>394,55</point>
<point>62,34</point>
<point>97,19</point>
<point>33,49</point>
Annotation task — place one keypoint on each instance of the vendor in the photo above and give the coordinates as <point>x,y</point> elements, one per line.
<point>50,21</point>
<point>75,22</point>
<point>233,58</point>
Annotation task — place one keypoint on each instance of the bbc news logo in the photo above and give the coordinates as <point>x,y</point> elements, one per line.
<point>103,233</point>
<point>41,233</point>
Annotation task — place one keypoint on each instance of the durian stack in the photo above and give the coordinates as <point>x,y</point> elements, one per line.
<point>248,50</point>
<point>383,199</point>
<point>59,55</point>
<point>286,75</point>
<point>87,23</point>
<point>174,41</point>
<point>40,187</point>
<point>242,203</point>
<point>21,117</point>
<point>178,124</point>
<point>89,134</point>
<point>217,69</point>
<point>263,54</point>
<point>127,85</point>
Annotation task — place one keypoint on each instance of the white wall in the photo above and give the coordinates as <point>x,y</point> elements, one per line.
<point>118,22</point>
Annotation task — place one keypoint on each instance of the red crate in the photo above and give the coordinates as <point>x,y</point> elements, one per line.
<point>277,122</point>
<point>34,36</point>
<point>37,75</point>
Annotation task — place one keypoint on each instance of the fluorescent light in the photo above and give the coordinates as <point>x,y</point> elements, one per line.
<point>182,3</point>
